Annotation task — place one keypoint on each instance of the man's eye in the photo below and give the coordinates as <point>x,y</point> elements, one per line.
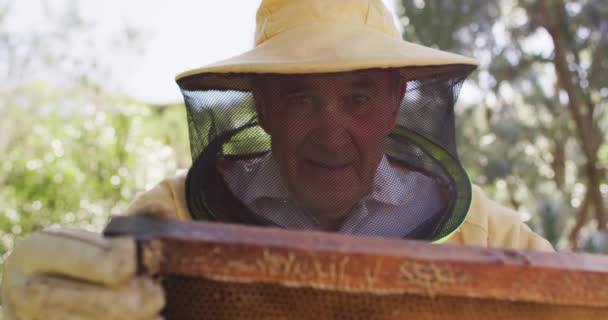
<point>299,99</point>
<point>358,99</point>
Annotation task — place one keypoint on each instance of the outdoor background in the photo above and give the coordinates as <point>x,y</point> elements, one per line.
<point>90,115</point>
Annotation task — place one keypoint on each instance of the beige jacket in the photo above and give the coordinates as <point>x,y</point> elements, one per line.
<point>488,223</point>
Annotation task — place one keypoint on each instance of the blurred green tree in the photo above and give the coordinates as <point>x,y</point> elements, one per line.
<point>73,151</point>
<point>534,135</point>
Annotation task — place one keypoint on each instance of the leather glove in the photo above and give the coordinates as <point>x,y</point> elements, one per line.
<point>65,274</point>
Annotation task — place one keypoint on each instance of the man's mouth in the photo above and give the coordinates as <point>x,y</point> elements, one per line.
<point>329,166</point>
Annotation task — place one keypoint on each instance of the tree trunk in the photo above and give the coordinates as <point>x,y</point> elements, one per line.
<point>552,18</point>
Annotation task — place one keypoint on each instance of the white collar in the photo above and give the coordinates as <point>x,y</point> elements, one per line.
<point>388,185</point>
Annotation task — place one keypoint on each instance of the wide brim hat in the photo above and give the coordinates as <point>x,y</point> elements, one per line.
<point>320,36</point>
<point>328,38</point>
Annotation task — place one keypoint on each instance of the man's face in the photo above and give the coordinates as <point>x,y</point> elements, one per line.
<point>328,134</point>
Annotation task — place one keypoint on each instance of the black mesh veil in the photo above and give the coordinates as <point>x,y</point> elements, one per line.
<point>408,184</point>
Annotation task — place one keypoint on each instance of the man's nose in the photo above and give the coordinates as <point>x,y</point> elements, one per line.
<point>332,129</point>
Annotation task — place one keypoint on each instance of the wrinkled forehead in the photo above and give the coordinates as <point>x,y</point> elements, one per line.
<point>371,80</point>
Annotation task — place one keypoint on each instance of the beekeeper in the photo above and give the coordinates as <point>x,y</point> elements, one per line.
<point>331,122</point>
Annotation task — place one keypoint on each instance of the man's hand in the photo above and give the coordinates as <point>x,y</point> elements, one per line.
<point>68,274</point>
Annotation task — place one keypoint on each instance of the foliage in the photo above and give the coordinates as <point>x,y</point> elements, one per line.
<point>76,168</point>
<point>519,133</point>
<point>72,151</point>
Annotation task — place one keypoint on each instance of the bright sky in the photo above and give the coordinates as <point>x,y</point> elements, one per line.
<point>190,34</point>
<point>180,35</point>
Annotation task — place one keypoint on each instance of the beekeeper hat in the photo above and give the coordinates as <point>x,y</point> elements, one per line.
<point>321,38</point>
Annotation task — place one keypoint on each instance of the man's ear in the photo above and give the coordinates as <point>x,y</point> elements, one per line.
<point>260,106</point>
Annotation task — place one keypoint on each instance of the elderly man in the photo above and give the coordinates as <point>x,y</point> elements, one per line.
<point>331,122</point>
